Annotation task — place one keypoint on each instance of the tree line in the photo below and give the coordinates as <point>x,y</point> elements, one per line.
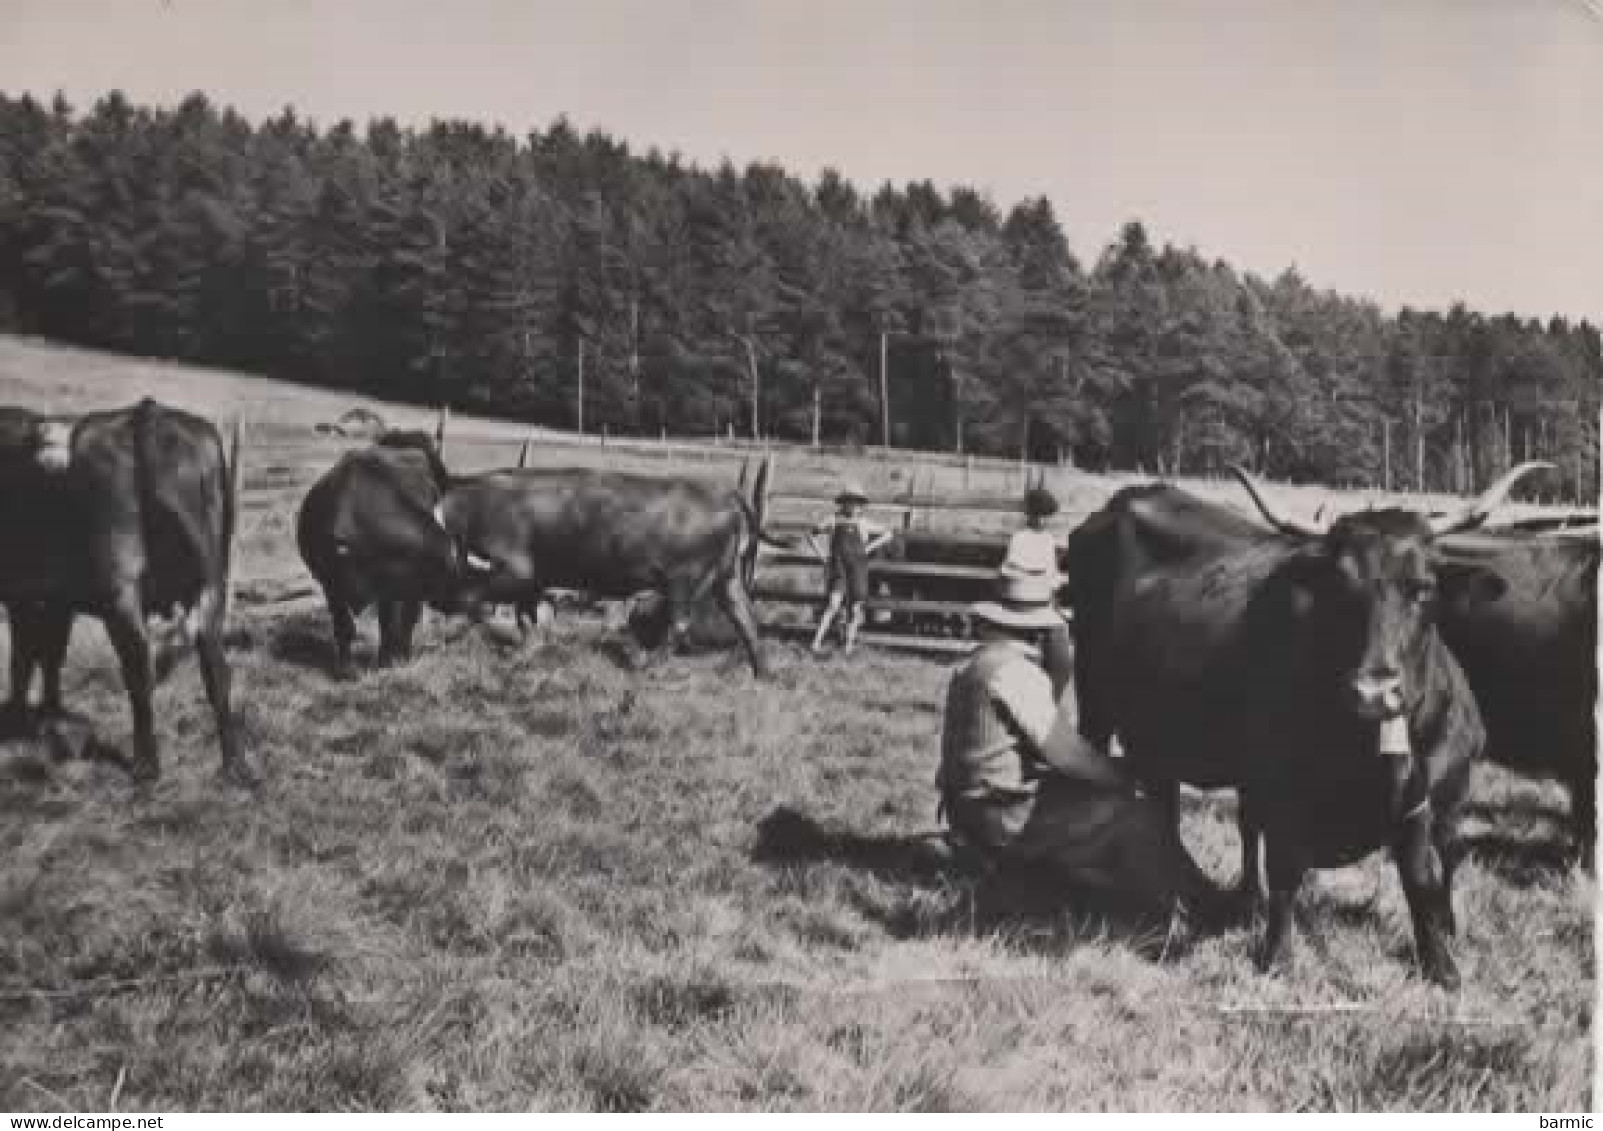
<point>563,279</point>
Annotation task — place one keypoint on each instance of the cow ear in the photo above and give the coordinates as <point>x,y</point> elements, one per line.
<point>1307,571</point>
<point>1463,583</point>
<point>1308,566</point>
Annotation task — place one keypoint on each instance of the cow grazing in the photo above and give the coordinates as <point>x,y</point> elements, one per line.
<point>124,515</point>
<point>370,532</point>
<point>1301,668</point>
<point>612,535</point>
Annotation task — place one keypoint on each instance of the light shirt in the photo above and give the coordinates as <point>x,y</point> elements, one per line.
<point>1020,686</point>
<point>1032,545</point>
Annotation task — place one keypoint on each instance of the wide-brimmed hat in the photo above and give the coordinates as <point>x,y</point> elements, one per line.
<point>851,491</point>
<point>1025,589</point>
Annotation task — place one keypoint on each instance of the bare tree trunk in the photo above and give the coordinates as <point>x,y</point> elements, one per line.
<point>756,410</point>
<point>1385,431</point>
<point>578,396</point>
<point>1419,436</point>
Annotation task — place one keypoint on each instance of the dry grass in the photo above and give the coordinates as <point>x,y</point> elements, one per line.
<point>504,878</point>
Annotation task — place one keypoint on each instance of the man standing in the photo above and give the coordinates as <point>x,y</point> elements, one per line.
<point>1018,783</point>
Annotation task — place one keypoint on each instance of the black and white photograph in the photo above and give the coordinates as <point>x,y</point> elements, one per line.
<point>740,556</point>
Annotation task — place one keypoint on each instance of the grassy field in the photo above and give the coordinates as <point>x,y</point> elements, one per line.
<point>515,878</point>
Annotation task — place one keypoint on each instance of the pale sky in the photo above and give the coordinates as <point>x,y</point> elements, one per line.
<point>1414,151</point>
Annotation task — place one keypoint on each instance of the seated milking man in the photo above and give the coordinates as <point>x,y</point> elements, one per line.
<point>1020,785</point>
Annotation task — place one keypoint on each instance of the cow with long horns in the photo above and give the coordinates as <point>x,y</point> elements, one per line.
<point>1530,655</point>
<point>128,515</point>
<point>1301,667</point>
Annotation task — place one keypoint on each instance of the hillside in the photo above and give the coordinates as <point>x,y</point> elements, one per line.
<point>573,282</point>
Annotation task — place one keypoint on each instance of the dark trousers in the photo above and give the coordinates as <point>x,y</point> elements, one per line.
<point>1093,837</point>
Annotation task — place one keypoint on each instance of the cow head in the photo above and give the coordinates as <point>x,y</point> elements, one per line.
<point>52,444</point>
<point>460,591</point>
<point>419,441</point>
<point>1368,587</point>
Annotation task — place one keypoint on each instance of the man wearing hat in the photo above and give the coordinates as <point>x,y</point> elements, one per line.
<point>853,538</point>
<point>1018,782</point>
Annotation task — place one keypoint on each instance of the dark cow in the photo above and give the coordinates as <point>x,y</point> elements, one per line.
<point>612,535</point>
<point>123,515</point>
<point>1301,668</point>
<point>1531,658</point>
<point>370,531</point>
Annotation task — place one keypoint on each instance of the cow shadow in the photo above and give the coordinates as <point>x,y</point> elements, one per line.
<point>1524,805</point>
<point>32,749</point>
<point>953,891</point>
<point>304,640</point>
<point>1521,861</point>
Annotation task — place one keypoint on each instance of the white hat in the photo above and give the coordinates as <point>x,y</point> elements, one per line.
<point>1026,588</point>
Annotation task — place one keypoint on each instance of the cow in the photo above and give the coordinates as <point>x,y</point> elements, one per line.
<point>371,532</point>
<point>1531,656</point>
<point>1300,667</point>
<point>1531,659</point>
<point>126,515</point>
<point>612,535</point>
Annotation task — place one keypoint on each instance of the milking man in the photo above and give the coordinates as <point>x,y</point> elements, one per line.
<point>1019,784</point>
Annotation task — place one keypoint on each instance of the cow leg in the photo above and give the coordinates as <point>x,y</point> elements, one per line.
<point>218,681</point>
<point>388,633</point>
<point>125,625</point>
<point>1430,899</point>
<point>343,618</point>
<point>55,629</point>
<point>15,715</point>
<point>1166,799</point>
<point>406,618</point>
<point>1096,719</point>
<point>1583,817</point>
<point>1249,888</point>
<point>532,615</point>
<point>733,600</point>
<point>1451,850</point>
<point>24,650</point>
<point>1285,880</point>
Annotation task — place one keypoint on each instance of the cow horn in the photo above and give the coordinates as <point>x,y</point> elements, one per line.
<point>523,454</point>
<point>1490,499</point>
<point>236,445</point>
<point>759,490</point>
<point>1284,525</point>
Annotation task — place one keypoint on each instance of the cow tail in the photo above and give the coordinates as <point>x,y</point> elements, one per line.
<point>162,660</point>
<point>144,488</point>
<point>749,542</point>
<point>230,522</point>
<point>753,509</point>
